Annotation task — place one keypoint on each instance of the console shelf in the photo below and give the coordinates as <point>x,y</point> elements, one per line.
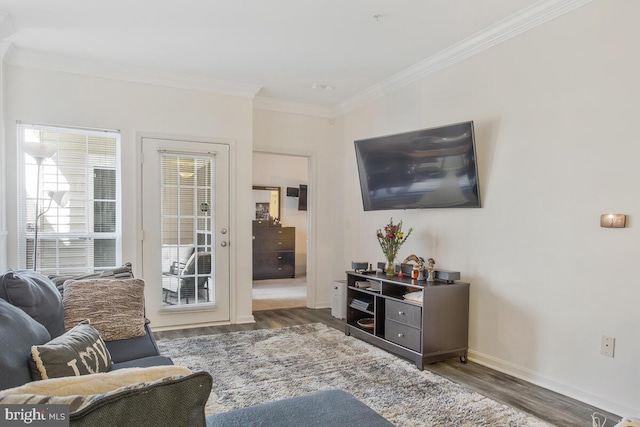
<point>433,329</point>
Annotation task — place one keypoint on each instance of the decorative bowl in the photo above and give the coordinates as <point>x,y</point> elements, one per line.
<point>366,323</point>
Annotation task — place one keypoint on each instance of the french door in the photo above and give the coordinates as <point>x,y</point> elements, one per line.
<point>185,216</point>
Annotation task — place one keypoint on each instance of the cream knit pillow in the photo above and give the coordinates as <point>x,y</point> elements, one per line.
<point>114,307</point>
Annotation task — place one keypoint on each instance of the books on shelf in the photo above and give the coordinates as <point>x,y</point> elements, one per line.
<point>360,304</point>
<point>414,297</point>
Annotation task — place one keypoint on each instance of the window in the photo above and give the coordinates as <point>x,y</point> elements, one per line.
<point>85,234</point>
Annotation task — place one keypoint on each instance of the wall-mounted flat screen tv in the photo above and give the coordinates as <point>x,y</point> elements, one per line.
<point>429,168</point>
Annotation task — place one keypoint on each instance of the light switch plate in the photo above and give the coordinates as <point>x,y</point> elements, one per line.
<point>613,220</point>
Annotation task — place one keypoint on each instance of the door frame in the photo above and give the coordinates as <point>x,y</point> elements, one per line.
<point>232,143</point>
<point>312,241</point>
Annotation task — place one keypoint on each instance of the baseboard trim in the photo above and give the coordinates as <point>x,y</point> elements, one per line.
<point>542,381</point>
<point>322,304</point>
<point>245,319</point>
<point>189,326</point>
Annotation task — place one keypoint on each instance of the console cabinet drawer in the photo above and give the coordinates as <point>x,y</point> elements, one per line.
<point>403,335</point>
<point>405,313</point>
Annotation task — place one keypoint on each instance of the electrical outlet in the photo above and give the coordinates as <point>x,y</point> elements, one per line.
<point>607,346</point>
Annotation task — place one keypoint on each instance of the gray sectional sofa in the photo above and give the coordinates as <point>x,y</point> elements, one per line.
<point>141,387</point>
<point>32,314</point>
<point>322,409</point>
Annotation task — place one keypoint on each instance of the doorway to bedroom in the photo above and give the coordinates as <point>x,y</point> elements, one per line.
<point>280,237</point>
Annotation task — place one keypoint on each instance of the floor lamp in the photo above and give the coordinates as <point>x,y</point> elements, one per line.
<point>41,152</point>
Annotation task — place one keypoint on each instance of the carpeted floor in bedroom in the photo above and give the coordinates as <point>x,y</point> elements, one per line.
<point>275,294</point>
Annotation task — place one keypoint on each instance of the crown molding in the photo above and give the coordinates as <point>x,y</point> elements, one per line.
<point>518,23</point>
<point>72,65</point>
<point>114,71</point>
<point>510,27</point>
<point>280,105</point>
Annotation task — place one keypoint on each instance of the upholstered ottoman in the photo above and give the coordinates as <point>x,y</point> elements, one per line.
<point>322,409</point>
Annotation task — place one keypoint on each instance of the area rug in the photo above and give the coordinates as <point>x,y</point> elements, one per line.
<point>260,366</point>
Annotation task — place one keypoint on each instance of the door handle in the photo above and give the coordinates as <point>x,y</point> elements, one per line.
<point>223,244</point>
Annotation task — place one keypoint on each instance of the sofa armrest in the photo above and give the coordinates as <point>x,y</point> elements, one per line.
<point>92,384</point>
<point>175,400</point>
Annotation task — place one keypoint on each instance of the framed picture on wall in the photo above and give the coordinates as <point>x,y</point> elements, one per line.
<point>262,211</point>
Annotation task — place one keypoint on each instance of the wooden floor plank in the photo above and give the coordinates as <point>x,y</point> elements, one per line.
<point>544,404</point>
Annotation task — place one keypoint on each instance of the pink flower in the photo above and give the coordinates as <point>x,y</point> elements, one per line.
<point>392,238</point>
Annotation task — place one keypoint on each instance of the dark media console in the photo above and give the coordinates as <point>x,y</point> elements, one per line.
<point>427,331</point>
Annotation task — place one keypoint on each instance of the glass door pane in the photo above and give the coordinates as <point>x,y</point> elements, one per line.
<point>187,220</point>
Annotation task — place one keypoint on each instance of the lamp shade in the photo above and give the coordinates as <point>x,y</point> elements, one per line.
<point>39,151</point>
<point>60,197</point>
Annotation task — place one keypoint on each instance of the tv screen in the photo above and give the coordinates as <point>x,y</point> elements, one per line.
<point>429,168</point>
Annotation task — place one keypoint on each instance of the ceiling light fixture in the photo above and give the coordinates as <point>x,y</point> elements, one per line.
<point>318,86</point>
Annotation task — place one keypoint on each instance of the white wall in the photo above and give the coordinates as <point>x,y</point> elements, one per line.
<point>276,170</point>
<point>315,138</point>
<point>44,97</point>
<point>3,165</point>
<point>555,112</point>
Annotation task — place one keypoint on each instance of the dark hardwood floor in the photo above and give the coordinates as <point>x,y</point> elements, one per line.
<point>546,405</point>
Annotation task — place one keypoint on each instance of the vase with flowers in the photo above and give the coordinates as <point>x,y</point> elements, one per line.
<point>390,239</point>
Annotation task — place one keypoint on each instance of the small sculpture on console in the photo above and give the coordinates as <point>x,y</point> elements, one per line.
<point>418,269</point>
<point>431,266</point>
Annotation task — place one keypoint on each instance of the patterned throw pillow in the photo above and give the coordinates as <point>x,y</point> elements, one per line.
<point>114,307</point>
<point>80,351</point>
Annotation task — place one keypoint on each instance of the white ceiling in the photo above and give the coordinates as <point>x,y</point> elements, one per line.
<point>277,48</point>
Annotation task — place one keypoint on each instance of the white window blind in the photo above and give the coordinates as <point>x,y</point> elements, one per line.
<point>186,223</point>
<point>84,235</point>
